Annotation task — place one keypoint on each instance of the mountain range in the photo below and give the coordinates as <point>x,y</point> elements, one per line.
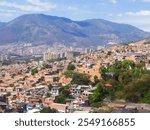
<point>45,29</point>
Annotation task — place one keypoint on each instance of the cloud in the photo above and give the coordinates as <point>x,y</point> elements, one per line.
<point>7,14</point>
<point>27,8</point>
<point>139,13</point>
<point>110,15</point>
<point>44,5</point>
<point>71,8</point>
<point>120,15</point>
<point>36,7</point>
<point>7,11</point>
<point>114,1</point>
<point>146,0</point>
<point>104,2</point>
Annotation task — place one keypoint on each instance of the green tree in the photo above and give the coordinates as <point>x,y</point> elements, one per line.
<point>99,94</point>
<point>81,79</point>
<point>96,80</point>
<point>138,91</point>
<point>8,94</point>
<point>60,99</point>
<point>50,87</point>
<point>109,53</point>
<point>78,78</point>
<point>64,94</point>
<point>34,71</point>
<point>68,73</point>
<point>14,89</point>
<point>1,81</point>
<point>131,80</point>
<point>48,110</point>
<point>125,77</point>
<point>71,67</point>
<point>103,71</point>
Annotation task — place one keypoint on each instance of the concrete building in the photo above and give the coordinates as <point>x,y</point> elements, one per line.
<point>72,54</point>
<point>3,57</point>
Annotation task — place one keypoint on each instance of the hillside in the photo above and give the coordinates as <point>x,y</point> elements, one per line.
<point>147,41</point>
<point>2,24</point>
<point>39,29</point>
<point>144,41</point>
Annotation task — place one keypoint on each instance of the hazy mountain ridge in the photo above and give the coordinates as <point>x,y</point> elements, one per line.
<point>39,28</point>
<point>2,24</point>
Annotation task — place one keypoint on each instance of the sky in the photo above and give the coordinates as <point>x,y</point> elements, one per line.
<point>134,12</point>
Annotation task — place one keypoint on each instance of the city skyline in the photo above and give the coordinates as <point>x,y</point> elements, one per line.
<point>113,10</point>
